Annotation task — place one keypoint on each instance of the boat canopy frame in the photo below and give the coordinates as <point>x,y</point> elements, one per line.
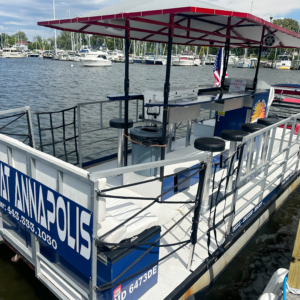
<point>166,21</point>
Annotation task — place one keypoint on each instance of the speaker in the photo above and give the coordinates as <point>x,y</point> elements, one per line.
<point>270,40</point>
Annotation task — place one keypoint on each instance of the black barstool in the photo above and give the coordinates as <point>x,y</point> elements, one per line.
<point>251,127</point>
<point>119,123</point>
<point>267,122</point>
<point>211,145</point>
<point>233,136</point>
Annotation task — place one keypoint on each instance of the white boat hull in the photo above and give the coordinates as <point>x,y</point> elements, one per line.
<point>95,63</point>
<point>185,63</point>
<point>243,65</point>
<point>13,55</point>
<point>282,67</point>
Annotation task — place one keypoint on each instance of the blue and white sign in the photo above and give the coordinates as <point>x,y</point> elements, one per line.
<point>60,222</point>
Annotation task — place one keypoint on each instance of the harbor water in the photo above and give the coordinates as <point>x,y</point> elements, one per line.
<point>47,85</point>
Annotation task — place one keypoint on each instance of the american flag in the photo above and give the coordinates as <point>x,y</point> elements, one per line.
<point>218,68</point>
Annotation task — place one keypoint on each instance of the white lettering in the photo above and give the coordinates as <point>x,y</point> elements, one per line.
<point>7,172</point>
<point>123,295</point>
<point>154,270</point>
<point>85,218</point>
<point>51,215</point>
<point>149,274</point>
<point>42,217</point>
<point>2,185</point>
<point>71,240</point>
<point>25,198</point>
<point>62,233</point>
<point>32,201</point>
<point>18,201</point>
<point>140,279</point>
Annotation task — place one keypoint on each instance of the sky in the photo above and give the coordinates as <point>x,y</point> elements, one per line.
<point>24,14</point>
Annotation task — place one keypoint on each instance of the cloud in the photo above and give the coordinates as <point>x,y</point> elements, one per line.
<point>24,14</point>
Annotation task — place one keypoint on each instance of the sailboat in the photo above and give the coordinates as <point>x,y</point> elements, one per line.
<point>244,62</point>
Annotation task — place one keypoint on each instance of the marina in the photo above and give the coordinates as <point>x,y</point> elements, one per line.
<point>134,195</point>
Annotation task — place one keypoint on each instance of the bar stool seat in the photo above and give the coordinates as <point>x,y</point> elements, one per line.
<point>252,127</point>
<point>233,135</point>
<point>119,123</point>
<point>267,121</point>
<point>209,144</point>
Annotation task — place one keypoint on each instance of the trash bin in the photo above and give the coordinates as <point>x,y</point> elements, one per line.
<point>146,151</point>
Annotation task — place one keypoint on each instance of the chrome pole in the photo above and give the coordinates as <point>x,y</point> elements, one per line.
<point>188,133</point>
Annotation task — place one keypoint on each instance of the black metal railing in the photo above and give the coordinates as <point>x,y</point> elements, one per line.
<point>59,140</point>
<point>18,126</point>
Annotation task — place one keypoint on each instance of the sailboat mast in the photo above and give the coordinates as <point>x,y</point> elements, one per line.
<point>55,45</point>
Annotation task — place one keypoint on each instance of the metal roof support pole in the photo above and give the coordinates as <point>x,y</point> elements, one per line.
<point>126,90</point>
<point>227,49</point>
<point>166,92</point>
<point>259,57</point>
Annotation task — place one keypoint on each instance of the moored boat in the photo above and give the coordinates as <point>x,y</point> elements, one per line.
<point>13,53</point>
<point>167,220</point>
<point>99,61</point>
<point>283,63</point>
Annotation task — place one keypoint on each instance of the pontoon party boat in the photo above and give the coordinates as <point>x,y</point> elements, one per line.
<point>161,217</point>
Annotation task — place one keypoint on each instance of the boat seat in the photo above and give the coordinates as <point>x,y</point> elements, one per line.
<point>233,135</point>
<point>119,123</point>
<point>118,211</point>
<point>267,121</point>
<point>252,127</point>
<point>209,144</point>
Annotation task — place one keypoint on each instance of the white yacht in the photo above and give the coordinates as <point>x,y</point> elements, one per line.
<point>232,60</point>
<point>162,60</point>
<point>283,62</point>
<point>99,61</point>
<point>94,52</point>
<point>197,61</point>
<point>184,60</point>
<point>243,63</point>
<point>13,53</point>
<point>117,56</point>
<point>64,56</point>
<point>209,59</point>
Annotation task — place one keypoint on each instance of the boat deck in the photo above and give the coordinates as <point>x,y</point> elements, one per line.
<point>173,271</point>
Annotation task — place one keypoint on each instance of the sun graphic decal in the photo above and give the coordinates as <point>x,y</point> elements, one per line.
<point>259,111</point>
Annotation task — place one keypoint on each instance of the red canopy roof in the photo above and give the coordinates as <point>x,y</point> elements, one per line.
<point>197,23</point>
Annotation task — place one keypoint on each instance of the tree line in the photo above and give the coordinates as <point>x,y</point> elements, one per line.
<point>73,41</point>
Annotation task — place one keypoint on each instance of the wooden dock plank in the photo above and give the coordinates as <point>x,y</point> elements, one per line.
<point>294,271</point>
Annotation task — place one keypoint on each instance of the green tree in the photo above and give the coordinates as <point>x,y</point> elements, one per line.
<point>20,36</point>
<point>287,23</point>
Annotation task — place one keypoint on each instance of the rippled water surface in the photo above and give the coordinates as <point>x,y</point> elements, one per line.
<point>47,85</point>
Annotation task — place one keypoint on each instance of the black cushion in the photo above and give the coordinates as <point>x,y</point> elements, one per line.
<point>120,123</point>
<point>267,121</point>
<point>273,115</point>
<point>209,144</point>
<point>233,135</point>
<point>252,127</point>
